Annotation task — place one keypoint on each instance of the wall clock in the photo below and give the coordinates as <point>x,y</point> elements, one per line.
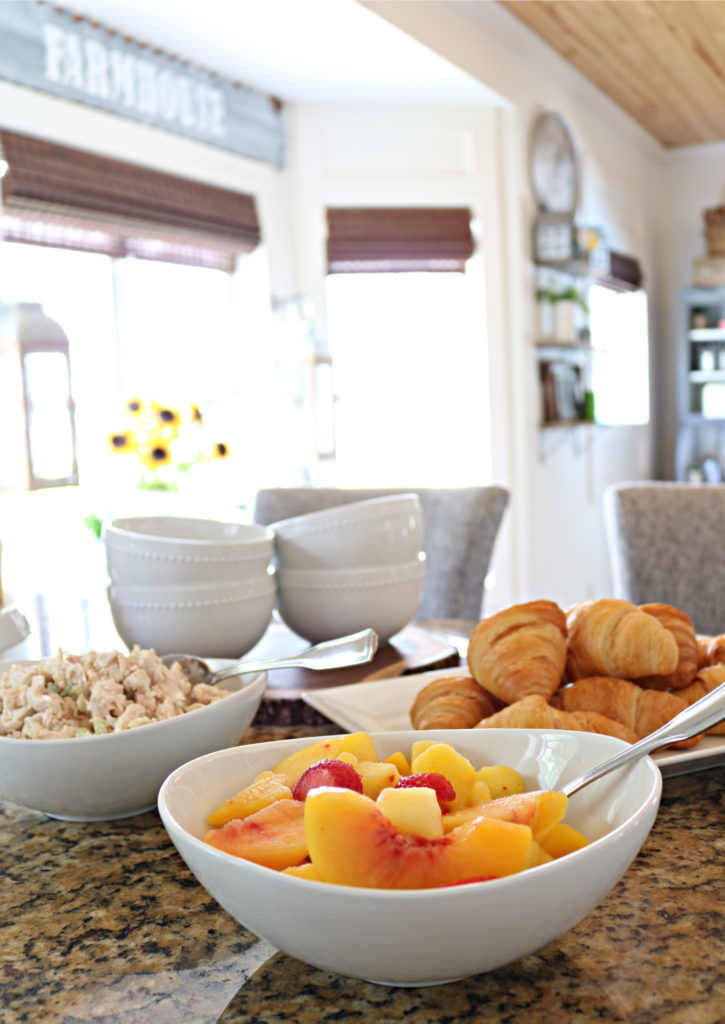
<point>554,165</point>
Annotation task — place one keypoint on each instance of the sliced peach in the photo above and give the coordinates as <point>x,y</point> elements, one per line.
<point>351,842</point>
<point>306,870</point>
<point>294,765</point>
<point>361,745</point>
<point>539,809</point>
<point>561,839</point>
<point>265,790</point>
<point>274,836</point>
<point>412,810</point>
<point>443,759</point>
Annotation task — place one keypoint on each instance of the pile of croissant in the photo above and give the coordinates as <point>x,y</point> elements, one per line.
<point>604,665</point>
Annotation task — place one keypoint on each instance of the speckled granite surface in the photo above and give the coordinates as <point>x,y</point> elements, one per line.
<point>103,922</point>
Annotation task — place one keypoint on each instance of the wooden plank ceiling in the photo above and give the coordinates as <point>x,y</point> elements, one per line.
<point>662,61</point>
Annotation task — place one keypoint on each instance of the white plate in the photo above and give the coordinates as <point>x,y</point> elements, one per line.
<point>383,705</point>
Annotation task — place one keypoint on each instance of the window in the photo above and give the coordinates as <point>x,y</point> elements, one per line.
<point>411,379</point>
<point>620,365</point>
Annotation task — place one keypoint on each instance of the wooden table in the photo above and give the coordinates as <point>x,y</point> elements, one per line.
<point>104,923</point>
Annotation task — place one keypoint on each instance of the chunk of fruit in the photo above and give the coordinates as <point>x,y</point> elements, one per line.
<point>306,870</point>
<point>265,790</point>
<point>442,788</point>
<point>297,763</point>
<point>419,746</point>
<point>327,772</point>
<point>561,839</point>
<point>400,761</point>
<point>443,759</point>
<point>274,836</point>
<point>376,776</point>
<point>415,810</point>
<point>539,809</point>
<point>361,745</point>
<point>351,842</point>
<point>537,855</point>
<point>480,794</point>
<point>501,780</point>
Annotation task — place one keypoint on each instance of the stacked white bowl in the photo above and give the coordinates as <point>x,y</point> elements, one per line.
<point>183,585</point>
<point>351,567</point>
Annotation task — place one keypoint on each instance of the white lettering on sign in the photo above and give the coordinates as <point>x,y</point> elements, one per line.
<point>107,73</point>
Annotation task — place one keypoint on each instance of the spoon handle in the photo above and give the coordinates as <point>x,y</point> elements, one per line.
<point>698,717</point>
<point>356,649</point>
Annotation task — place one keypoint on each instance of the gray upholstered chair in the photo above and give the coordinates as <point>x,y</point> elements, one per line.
<point>460,526</point>
<point>666,544</point>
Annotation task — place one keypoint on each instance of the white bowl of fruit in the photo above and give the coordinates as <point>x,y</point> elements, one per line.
<point>410,858</point>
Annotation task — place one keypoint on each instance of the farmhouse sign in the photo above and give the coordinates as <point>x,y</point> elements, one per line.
<point>45,48</point>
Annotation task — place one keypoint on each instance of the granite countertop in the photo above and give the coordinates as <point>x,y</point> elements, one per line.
<point>103,922</point>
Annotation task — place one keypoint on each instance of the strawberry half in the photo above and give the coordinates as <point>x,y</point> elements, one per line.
<point>327,772</point>
<point>431,780</point>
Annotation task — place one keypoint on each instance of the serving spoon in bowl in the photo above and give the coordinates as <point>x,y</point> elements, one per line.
<point>355,649</point>
<point>697,718</point>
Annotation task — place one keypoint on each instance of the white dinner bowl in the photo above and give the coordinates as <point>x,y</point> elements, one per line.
<point>424,936</point>
<point>178,550</point>
<point>320,604</point>
<point>218,620</point>
<point>116,775</point>
<point>378,531</point>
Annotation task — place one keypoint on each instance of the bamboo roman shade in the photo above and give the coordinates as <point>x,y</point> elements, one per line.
<point>396,239</point>
<point>53,195</point>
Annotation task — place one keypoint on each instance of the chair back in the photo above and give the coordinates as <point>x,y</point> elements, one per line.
<point>666,545</point>
<point>460,525</point>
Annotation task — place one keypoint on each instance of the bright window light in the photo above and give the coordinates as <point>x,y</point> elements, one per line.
<point>411,379</point>
<point>620,365</point>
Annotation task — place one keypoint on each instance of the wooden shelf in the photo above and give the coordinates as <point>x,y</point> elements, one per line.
<point>706,334</point>
<point>580,268</point>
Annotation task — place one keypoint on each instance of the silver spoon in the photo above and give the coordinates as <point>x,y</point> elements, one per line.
<point>356,649</point>
<point>699,717</point>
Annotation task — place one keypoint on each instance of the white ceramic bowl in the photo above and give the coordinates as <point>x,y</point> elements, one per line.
<point>379,531</point>
<point>97,778</point>
<point>178,550</point>
<point>14,627</point>
<point>218,620</point>
<point>424,936</point>
<point>319,604</point>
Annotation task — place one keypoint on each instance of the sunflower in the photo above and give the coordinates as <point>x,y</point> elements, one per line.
<point>134,406</point>
<point>123,441</point>
<point>166,415</point>
<point>220,450</point>
<point>196,416</point>
<point>155,456</point>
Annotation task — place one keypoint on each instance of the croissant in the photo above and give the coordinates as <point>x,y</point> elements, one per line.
<point>608,637</point>
<point>519,651</point>
<point>682,628</point>
<point>451,702</point>
<point>711,650</point>
<point>533,712</point>
<point>703,649</point>
<point>641,710</point>
<point>706,680</point>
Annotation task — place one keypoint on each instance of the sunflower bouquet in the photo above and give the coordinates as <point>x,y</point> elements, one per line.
<point>164,442</point>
